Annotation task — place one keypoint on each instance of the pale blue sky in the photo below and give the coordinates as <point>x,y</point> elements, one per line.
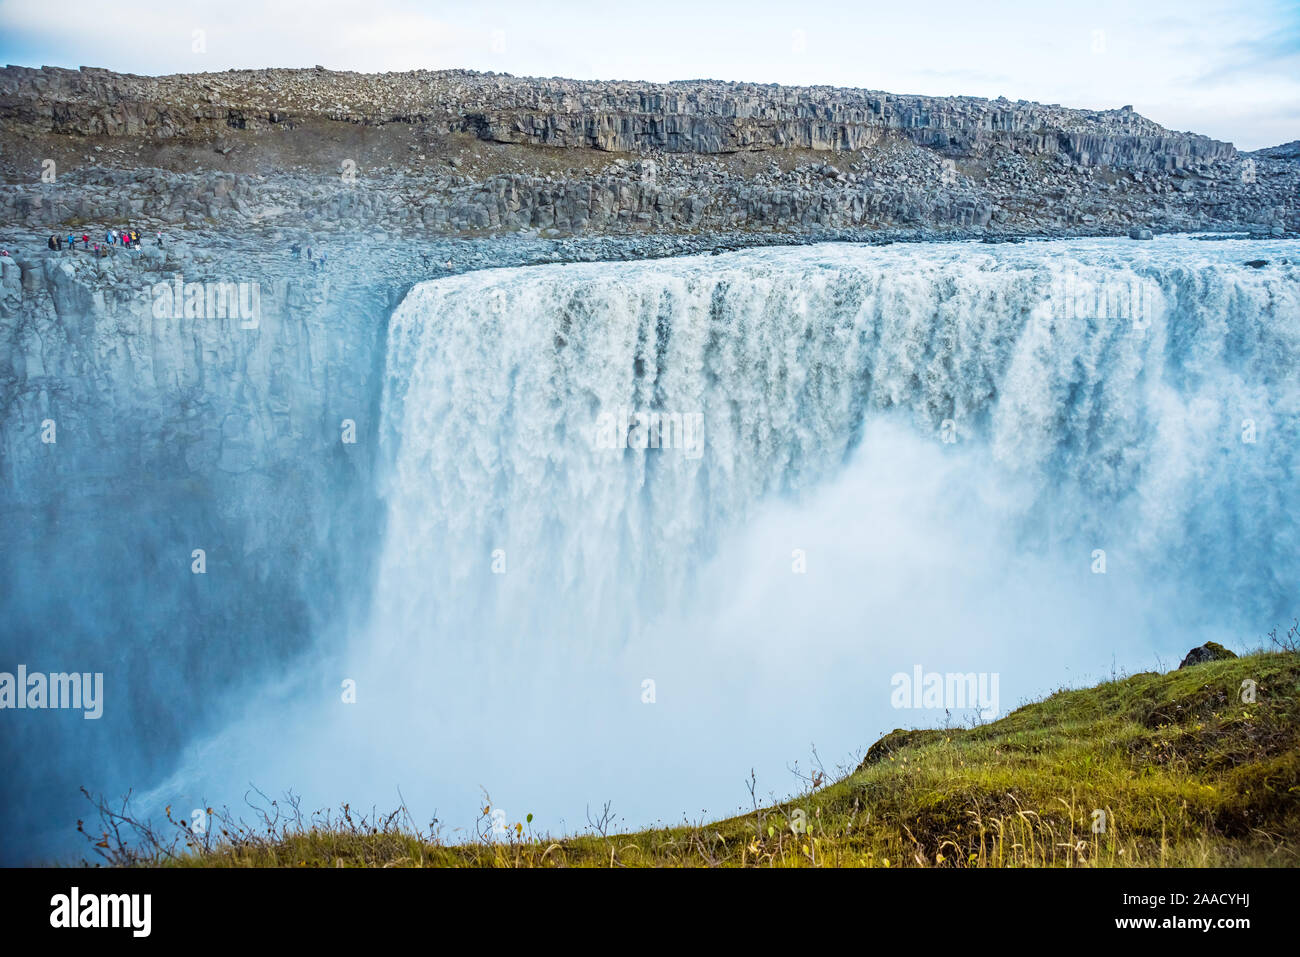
<point>1222,68</point>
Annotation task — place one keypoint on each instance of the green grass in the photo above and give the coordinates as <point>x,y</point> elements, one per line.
<point>1184,771</point>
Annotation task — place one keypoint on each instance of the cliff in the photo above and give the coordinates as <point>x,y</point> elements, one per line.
<point>456,152</point>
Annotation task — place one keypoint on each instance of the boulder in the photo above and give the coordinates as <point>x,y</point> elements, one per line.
<point>1210,651</point>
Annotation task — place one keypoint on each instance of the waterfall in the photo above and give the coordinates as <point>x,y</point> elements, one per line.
<point>1033,460</point>
<point>1144,393</point>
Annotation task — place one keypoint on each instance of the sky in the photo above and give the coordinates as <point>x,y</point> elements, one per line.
<point>1225,69</point>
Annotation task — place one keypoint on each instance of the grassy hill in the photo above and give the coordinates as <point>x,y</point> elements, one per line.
<point>1150,770</point>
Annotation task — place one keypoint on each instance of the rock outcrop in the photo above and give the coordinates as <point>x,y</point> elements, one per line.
<point>699,116</point>
<point>455,152</point>
<point>1210,651</point>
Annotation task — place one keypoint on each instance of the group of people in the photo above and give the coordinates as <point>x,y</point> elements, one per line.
<point>317,262</point>
<point>128,238</point>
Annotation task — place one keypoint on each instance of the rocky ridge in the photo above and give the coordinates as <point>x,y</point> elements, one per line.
<point>462,153</point>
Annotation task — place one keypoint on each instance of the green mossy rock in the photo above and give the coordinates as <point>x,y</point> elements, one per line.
<point>1210,651</point>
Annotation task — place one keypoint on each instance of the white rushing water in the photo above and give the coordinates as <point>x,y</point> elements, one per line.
<point>1039,461</point>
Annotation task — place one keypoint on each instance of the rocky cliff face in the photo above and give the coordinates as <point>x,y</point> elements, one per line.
<point>700,116</point>
<point>456,152</point>
<point>177,506</point>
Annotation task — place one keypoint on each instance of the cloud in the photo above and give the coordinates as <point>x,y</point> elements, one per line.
<point>1276,54</point>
